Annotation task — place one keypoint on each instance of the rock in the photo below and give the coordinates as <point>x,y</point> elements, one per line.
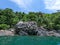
<point>31,28</point>
<point>50,33</point>
<point>56,34</point>
<point>53,33</point>
<point>41,31</point>
<point>22,33</point>
<point>58,31</point>
<point>27,28</point>
<point>6,33</point>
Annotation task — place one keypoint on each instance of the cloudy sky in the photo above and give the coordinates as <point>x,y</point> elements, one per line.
<point>46,6</point>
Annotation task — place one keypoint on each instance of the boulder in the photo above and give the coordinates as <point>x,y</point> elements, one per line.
<point>6,33</point>
<point>41,31</point>
<point>26,28</point>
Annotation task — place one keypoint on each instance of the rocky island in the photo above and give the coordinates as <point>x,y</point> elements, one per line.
<point>28,24</point>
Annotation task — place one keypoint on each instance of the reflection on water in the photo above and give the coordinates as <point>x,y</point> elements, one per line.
<point>29,40</point>
<point>58,43</point>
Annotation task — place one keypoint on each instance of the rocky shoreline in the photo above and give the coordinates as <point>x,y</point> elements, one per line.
<point>29,28</point>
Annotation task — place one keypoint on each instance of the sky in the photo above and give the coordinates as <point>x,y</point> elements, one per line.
<point>45,6</point>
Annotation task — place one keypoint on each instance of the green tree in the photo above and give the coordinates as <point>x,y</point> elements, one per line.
<point>4,26</point>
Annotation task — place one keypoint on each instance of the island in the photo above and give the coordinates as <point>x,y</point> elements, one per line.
<point>29,24</point>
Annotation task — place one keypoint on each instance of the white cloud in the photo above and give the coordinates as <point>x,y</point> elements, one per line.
<point>23,3</point>
<point>52,4</point>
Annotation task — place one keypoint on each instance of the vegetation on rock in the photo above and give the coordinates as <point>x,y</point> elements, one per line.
<point>9,18</point>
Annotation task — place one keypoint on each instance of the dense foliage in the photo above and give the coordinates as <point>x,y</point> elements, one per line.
<point>8,19</point>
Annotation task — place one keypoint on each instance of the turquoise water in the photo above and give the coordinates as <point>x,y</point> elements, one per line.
<point>29,40</point>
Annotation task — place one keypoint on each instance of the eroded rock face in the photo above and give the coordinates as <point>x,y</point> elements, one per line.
<point>26,28</point>
<point>31,28</point>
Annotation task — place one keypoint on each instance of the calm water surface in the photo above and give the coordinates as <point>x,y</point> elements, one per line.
<point>29,40</point>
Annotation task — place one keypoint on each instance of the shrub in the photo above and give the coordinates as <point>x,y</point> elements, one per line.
<point>4,26</point>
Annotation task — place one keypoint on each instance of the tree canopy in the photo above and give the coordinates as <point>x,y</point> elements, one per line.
<point>9,18</point>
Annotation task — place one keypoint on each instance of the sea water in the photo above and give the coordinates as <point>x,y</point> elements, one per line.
<point>29,40</point>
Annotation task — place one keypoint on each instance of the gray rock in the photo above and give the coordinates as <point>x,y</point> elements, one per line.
<point>27,28</point>
<point>22,33</point>
<point>58,31</point>
<point>6,33</point>
<point>31,28</point>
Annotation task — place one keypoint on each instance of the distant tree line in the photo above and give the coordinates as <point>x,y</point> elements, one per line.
<point>9,18</point>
